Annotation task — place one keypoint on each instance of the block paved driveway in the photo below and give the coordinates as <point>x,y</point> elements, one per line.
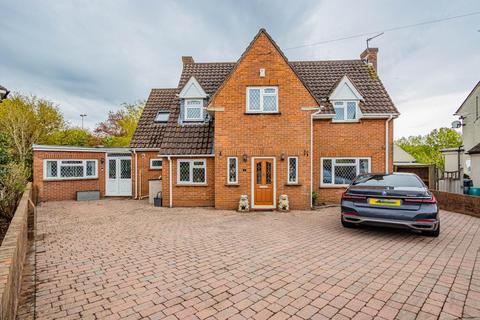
<point>115,259</point>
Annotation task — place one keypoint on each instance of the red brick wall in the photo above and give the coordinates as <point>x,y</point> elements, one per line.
<point>362,139</point>
<point>145,174</point>
<point>262,135</point>
<point>188,196</point>
<point>66,189</point>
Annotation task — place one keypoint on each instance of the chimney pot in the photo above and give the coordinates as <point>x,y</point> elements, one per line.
<point>187,60</point>
<point>369,55</point>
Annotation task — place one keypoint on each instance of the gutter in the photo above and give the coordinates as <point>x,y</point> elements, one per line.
<point>387,144</point>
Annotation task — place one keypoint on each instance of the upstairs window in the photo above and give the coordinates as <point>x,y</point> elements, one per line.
<point>162,116</point>
<point>193,110</point>
<point>345,111</point>
<point>262,99</point>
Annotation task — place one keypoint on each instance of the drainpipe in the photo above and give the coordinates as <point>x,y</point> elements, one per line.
<point>387,165</point>
<point>136,173</point>
<point>170,197</point>
<point>311,159</point>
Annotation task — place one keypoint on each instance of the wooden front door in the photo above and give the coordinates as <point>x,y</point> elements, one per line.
<point>263,182</point>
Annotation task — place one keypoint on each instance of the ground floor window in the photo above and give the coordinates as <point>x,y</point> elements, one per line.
<point>191,171</point>
<point>70,169</point>
<point>292,170</point>
<point>155,164</point>
<point>232,170</point>
<point>342,171</point>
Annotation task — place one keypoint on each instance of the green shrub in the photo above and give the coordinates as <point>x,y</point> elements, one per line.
<point>314,197</point>
<point>13,180</point>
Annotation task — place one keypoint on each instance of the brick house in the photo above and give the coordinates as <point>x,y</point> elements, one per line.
<point>265,126</point>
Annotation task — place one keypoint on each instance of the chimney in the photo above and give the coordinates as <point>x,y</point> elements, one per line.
<point>187,60</point>
<point>370,56</point>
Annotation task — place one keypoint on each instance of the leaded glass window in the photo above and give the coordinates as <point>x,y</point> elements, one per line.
<point>342,171</point>
<point>345,111</point>
<point>70,169</point>
<point>191,172</point>
<point>232,170</point>
<point>262,99</point>
<point>292,170</point>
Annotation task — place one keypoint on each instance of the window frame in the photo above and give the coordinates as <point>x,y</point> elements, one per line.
<point>236,170</point>
<point>152,167</point>
<point>296,170</point>
<point>191,166</point>
<point>186,107</point>
<point>162,112</point>
<point>333,159</point>
<point>60,164</point>
<point>344,106</point>
<point>262,95</point>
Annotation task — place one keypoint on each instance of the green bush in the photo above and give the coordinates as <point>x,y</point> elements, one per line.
<point>314,198</point>
<point>13,180</point>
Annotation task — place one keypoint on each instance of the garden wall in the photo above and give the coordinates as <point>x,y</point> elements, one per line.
<point>12,257</point>
<point>458,202</point>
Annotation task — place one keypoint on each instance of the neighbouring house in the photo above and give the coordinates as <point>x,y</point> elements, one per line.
<point>405,162</point>
<point>469,113</point>
<point>262,126</point>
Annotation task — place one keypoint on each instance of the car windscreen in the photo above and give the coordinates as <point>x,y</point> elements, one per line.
<point>391,180</point>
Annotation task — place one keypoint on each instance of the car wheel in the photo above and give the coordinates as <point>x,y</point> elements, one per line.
<point>435,233</point>
<point>347,224</point>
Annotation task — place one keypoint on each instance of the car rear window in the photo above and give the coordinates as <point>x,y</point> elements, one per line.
<point>393,180</point>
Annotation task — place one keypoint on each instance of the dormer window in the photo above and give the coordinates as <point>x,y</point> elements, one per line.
<point>162,116</point>
<point>345,99</point>
<point>345,110</point>
<point>193,110</point>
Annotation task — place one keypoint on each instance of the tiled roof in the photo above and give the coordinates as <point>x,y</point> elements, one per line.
<point>320,78</point>
<point>323,76</point>
<point>474,150</point>
<point>149,134</point>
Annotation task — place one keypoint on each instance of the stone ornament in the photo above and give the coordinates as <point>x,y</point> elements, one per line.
<point>283,204</point>
<point>243,205</point>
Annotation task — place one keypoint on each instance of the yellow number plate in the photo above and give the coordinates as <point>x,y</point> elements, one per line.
<point>385,202</point>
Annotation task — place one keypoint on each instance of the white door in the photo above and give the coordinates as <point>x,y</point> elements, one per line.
<point>119,176</point>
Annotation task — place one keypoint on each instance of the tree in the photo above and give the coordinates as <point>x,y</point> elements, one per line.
<point>118,129</point>
<point>26,120</point>
<point>74,137</point>
<point>427,149</point>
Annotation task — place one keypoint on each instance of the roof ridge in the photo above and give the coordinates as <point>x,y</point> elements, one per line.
<point>334,60</point>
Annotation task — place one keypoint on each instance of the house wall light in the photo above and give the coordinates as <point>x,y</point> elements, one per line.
<point>245,157</point>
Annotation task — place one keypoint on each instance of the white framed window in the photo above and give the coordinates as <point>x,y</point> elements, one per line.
<point>162,116</point>
<point>345,111</point>
<point>193,110</point>
<point>155,164</point>
<point>232,170</point>
<point>342,171</point>
<point>69,169</point>
<point>192,171</point>
<point>292,170</point>
<point>262,99</point>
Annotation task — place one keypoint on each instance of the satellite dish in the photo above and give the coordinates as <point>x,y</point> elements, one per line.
<point>456,124</point>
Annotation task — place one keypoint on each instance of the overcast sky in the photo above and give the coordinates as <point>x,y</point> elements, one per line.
<point>90,56</point>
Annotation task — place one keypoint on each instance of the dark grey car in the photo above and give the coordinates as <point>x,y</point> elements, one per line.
<point>398,200</point>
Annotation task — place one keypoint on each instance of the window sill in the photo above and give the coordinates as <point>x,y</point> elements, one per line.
<point>191,185</point>
<point>293,184</point>
<point>262,113</point>
<point>335,186</point>
<point>232,185</point>
<point>69,179</point>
